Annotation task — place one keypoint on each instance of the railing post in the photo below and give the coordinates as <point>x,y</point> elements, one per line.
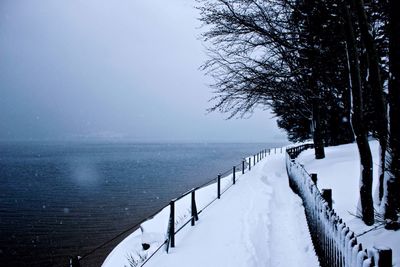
<point>234,174</point>
<point>384,257</point>
<point>74,262</point>
<point>195,216</point>
<point>327,195</point>
<point>219,186</point>
<point>314,178</point>
<point>171,231</point>
<point>242,166</point>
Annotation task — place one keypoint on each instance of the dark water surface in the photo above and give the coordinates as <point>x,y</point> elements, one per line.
<point>60,199</point>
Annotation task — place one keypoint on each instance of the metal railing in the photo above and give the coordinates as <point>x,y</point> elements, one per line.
<point>174,227</point>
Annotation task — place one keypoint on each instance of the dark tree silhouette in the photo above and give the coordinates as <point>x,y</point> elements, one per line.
<point>391,201</point>
<point>321,67</point>
<point>361,133</point>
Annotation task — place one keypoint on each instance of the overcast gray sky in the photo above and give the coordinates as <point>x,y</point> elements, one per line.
<point>128,69</point>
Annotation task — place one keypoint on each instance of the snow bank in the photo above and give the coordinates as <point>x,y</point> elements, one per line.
<point>154,231</point>
<point>257,222</point>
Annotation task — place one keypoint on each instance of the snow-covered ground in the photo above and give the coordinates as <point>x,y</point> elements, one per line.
<point>257,222</point>
<point>340,171</point>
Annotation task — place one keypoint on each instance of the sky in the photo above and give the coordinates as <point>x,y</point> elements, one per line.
<point>113,70</point>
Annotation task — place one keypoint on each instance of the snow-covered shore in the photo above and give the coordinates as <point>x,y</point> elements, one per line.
<point>340,172</point>
<point>257,222</point>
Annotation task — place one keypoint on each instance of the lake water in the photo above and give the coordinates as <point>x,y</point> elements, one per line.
<point>61,199</point>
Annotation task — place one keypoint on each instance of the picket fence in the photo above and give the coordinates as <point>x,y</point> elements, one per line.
<point>335,244</point>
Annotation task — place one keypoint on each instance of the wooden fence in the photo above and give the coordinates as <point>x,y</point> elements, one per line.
<point>335,244</point>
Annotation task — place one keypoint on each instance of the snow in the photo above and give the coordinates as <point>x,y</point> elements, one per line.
<point>154,231</point>
<point>340,171</point>
<point>259,221</point>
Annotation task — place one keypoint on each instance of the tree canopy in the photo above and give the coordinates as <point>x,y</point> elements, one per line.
<point>322,67</point>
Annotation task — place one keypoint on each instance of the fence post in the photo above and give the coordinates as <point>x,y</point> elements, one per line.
<point>314,178</point>
<point>281,150</point>
<point>327,196</point>
<point>74,261</point>
<point>384,257</point>
<point>242,166</point>
<point>195,216</point>
<point>269,151</point>
<point>219,186</point>
<point>275,150</point>
<point>171,230</point>
<point>254,160</point>
<point>234,174</point>
<point>249,163</point>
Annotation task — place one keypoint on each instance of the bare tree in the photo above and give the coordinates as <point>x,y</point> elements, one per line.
<point>360,131</point>
<point>254,59</point>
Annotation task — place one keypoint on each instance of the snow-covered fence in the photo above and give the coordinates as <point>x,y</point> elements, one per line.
<point>334,242</point>
<point>180,212</point>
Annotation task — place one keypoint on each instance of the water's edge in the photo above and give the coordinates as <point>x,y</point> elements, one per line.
<point>58,200</point>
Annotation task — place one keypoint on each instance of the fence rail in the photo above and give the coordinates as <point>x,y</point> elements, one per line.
<point>236,171</point>
<point>335,244</point>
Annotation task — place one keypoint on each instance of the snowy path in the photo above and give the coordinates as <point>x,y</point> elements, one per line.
<point>258,222</point>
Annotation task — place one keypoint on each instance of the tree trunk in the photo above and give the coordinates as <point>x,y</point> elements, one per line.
<point>312,81</point>
<point>347,98</point>
<point>317,131</point>
<point>379,109</point>
<point>392,195</point>
<point>360,131</point>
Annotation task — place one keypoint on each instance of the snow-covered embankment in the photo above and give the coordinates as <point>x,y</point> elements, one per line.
<point>258,222</point>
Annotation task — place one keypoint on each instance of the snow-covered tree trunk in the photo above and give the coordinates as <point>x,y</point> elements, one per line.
<point>360,131</point>
<point>391,200</point>
<point>374,79</point>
